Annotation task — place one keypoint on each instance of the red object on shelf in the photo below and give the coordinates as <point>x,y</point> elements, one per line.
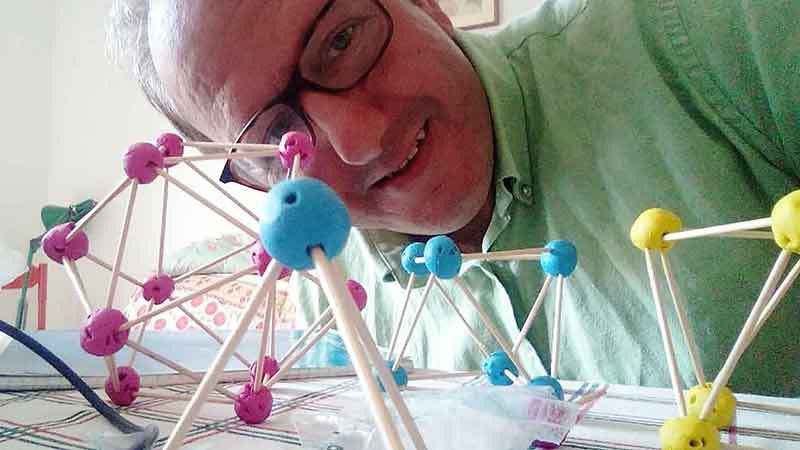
<point>37,277</point>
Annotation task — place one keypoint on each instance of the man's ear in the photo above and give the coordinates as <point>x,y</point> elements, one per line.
<point>435,11</point>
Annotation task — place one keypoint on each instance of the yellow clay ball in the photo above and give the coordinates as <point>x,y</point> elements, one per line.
<point>688,433</point>
<point>786,222</point>
<point>722,414</point>
<point>649,229</point>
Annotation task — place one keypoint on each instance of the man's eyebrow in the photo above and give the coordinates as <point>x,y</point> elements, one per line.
<point>293,79</point>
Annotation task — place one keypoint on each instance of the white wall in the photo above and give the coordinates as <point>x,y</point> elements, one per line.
<point>26,40</point>
<point>84,113</point>
<point>97,112</point>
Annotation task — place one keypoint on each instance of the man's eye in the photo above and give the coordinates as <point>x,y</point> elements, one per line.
<point>276,131</point>
<point>342,40</point>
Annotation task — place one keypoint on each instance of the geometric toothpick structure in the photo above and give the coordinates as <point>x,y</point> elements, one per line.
<point>440,259</point>
<point>107,330</point>
<point>303,228</point>
<point>656,231</point>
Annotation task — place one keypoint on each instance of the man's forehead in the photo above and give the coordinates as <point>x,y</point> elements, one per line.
<point>222,60</point>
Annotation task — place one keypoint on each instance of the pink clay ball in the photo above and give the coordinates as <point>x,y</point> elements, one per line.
<point>57,248</point>
<point>158,288</point>
<point>253,407</point>
<point>142,161</point>
<point>260,257</point>
<point>294,143</point>
<point>358,292</point>
<point>101,334</point>
<point>129,384</point>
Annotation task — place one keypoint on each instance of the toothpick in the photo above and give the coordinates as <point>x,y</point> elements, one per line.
<point>521,254</point>
<point>211,333</point>
<point>287,363</point>
<point>109,268</point>
<point>310,278</point>
<point>139,338</point>
<point>776,298</point>
<point>471,331</point>
<point>666,338</point>
<point>262,345</point>
<point>555,350</point>
<point>123,239</point>
<point>745,335</point>
<point>514,379</point>
<point>215,371</point>
<point>245,149</point>
<point>387,379</point>
<point>766,235</point>
<point>222,191</point>
<point>295,170</point>
<point>181,397</point>
<point>325,316</point>
<point>214,262</point>
<point>440,375</point>
<point>532,315</point>
<point>175,366</point>
<point>98,207</point>
<point>358,342</point>
<point>273,318</point>
<point>77,282</point>
<point>189,191</point>
<point>719,229</point>
<point>175,303</point>
<point>111,365</point>
<point>493,330</point>
<point>599,393</point>
<point>399,323</point>
<point>697,364</point>
<point>783,409</point>
<point>162,236</point>
<point>417,315</point>
<point>527,254</point>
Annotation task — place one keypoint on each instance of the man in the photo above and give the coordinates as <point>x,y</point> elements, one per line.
<point>567,124</point>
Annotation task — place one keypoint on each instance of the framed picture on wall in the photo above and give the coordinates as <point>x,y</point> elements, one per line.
<point>471,13</point>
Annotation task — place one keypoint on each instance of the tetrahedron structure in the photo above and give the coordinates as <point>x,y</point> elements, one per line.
<point>712,406</point>
<point>440,259</point>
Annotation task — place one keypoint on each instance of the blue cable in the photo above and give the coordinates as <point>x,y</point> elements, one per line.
<point>148,435</point>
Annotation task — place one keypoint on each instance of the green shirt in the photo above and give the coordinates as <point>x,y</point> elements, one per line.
<point>602,110</point>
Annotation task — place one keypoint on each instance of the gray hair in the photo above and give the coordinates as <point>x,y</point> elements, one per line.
<point>128,47</point>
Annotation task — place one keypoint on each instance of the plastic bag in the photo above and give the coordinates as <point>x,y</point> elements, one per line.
<point>491,417</point>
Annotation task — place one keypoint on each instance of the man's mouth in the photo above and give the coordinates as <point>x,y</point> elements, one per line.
<point>420,138</point>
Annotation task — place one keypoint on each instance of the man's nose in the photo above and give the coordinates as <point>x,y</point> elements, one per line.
<point>352,126</point>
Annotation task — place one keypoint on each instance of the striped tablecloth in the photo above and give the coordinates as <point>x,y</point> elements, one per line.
<point>627,418</point>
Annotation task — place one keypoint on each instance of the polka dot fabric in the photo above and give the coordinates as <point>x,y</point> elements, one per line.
<point>219,309</point>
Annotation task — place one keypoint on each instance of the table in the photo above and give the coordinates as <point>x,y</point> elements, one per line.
<point>627,418</point>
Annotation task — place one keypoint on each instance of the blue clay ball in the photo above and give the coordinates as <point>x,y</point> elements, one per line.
<point>412,252</point>
<point>400,376</point>
<point>442,257</point>
<point>495,366</point>
<point>545,380</point>
<point>300,214</point>
<point>560,260</point>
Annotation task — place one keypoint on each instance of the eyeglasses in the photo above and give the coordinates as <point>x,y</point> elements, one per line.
<point>345,43</point>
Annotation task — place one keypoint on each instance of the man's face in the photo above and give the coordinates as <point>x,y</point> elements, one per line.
<point>409,148</point>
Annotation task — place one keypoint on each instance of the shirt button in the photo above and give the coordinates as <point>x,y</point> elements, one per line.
<point>526,190</point>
